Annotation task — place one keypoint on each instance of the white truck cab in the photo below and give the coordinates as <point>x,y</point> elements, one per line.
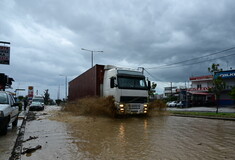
<point>128,87</point>
<point>9,111</point>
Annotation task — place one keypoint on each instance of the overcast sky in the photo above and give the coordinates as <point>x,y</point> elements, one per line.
<point>47,36</point>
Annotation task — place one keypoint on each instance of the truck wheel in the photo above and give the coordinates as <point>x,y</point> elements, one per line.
<point>14,124</point>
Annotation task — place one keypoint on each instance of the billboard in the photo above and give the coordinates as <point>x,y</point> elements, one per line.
<point>226,74</point>
<point>4,55</point>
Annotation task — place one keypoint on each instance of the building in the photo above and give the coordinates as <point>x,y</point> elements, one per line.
<point>229,79</point>
<point>5,81</point>
<point>169,91</point>
<point>199,94</point>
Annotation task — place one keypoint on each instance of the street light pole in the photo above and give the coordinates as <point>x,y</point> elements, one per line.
<point>65,86</point>
<point>92,54</point>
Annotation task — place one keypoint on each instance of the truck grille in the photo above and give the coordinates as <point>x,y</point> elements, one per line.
<point>134,107</point>
<point>128,99</point>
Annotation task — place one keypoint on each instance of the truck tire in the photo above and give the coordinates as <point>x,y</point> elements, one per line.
<point>15,122</point>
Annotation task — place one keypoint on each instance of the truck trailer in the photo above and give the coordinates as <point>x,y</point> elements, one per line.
<point>128,87</point>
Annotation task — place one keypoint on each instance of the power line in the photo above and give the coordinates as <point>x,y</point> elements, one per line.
<point>149,74</point>
<point>167,65</point>
<point>164,67</point>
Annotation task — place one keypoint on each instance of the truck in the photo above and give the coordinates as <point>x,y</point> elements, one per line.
<point>129,87</point>
<point>9,111</point>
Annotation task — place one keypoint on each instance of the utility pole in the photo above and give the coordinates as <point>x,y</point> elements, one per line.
<point>171,89</point>
<point>92,52</point>
<point>65,86</point>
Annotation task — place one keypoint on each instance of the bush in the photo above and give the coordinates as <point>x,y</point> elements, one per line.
<point>157,107</point>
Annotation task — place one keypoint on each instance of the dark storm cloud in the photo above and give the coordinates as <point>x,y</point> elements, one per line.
<point>47,36</point>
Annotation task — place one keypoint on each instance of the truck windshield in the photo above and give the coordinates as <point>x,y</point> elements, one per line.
<point>132,83</point>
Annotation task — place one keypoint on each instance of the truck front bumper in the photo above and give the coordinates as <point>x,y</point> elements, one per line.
<point>132,108</point>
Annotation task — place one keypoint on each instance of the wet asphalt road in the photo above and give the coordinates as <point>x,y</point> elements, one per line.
<point>164,137</point>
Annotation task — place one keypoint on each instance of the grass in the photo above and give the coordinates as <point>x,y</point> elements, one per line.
<point>207,114</point>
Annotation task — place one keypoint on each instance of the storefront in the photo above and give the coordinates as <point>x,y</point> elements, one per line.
<point>229,79</point>
<point>199,94</point>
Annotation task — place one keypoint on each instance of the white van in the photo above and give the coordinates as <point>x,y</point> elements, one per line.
<point>38,99</point>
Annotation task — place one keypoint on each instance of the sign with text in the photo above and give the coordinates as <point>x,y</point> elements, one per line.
<point>226,74</point>
<point>4,55</point>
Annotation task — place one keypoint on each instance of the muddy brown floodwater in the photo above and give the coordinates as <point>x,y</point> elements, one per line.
<point>64,136</point>
<point>147,138</point>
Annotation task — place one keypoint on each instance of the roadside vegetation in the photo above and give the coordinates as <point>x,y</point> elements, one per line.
<point>157,107</point>
<point>218,83</point>
<point>206,114</point>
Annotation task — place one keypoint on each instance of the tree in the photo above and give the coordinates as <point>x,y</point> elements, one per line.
<point>46,96</point>
<point>152,89</point>
<point>218,83</point>
<point>232,93</point>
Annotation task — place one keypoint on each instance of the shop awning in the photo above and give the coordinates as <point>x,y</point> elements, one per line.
<point>202,93</point>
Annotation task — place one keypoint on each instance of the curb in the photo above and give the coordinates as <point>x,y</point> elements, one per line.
<point>16,151</point>
<point>206,117</point>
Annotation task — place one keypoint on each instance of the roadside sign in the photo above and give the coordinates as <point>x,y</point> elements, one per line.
<point>30,91</point>
<point>4,55</point>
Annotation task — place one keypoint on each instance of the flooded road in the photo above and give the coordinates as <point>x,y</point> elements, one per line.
<point>162,137</point>
<point>153,138</point>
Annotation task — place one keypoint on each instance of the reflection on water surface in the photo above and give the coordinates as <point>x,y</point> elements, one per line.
<point>163,137</point>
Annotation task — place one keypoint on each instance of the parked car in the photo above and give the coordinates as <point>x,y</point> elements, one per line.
<point>38,99</point>
<point>9,111</point>
<point>172,104</point>
<point>180,104</point>
<point>36,106</point>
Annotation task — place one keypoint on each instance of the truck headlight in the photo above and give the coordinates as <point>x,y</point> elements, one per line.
<point>145,107</point>
<point>121,105</point>
<point>1,114</point>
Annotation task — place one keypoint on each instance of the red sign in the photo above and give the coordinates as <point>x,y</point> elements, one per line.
<point>201,77</point>
<point>30,91</point>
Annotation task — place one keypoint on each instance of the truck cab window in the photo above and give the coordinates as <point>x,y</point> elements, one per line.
<point>131,83</point>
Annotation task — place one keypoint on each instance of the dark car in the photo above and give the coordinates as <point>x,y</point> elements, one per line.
<point>36,106</point>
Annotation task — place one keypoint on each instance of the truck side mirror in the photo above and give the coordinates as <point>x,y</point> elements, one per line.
<point>149,85</point>
<point>112,82</point>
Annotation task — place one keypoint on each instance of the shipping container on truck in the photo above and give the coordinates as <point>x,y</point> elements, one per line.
<point>128,87</point>
<point>88,84</point>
